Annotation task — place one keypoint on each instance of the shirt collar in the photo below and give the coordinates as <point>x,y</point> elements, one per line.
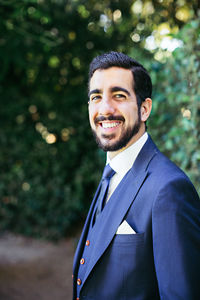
<point>122,162</point>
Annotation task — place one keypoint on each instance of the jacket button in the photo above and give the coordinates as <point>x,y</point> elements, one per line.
<point>87,243</point>
<point>82,261</point>
<point>79,281</point>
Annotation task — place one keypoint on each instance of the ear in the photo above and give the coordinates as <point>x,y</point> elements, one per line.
<point>146,109</point>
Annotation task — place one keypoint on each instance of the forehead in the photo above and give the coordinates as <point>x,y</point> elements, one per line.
<point>114,76</point>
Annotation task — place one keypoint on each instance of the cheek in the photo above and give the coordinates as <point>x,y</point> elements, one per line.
<point>91,113</point>
<point>130,114</point>
<point>134,111</point>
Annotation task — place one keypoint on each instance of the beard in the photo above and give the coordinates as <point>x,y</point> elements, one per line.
<point>126,135</point>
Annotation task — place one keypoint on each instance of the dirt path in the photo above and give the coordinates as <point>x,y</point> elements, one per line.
<point>35,270</point>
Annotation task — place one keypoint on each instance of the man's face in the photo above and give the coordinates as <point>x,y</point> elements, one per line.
<point>113,109</point>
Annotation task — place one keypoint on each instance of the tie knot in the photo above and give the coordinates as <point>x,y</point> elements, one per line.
<point>108,172</point>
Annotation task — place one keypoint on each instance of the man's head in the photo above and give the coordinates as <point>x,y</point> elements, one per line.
<point>142,84</point>
<point>119,90</point>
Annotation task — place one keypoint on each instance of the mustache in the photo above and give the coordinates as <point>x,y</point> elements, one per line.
<point>109,118</point>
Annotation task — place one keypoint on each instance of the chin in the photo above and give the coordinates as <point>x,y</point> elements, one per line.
<point>110,146</point>
<point>113,143</point>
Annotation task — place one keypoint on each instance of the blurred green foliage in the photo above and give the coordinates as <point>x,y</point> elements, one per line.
<point>175,123</point>
<point>50,164</point>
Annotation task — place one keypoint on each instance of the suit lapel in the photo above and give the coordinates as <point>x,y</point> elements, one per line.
<point>110,218</point>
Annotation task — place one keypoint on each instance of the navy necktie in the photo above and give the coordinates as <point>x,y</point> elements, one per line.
<point>108,172</point>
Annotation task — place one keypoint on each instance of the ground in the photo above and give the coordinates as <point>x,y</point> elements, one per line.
<point>35,270</point>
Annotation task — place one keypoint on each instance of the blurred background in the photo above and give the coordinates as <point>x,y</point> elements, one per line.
<point>49,162</point>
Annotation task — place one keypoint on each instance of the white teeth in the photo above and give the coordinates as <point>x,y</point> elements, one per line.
<point>109,125</point>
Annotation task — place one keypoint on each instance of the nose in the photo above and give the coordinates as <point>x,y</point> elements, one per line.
<point>106,106</point>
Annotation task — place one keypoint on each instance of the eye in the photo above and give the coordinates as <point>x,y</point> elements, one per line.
<point>94,98</point>
<point>120,96</point>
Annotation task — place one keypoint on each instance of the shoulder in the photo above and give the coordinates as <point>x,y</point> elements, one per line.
<point>174,190</point>
<point>161,166</point>
<point>166,178</point>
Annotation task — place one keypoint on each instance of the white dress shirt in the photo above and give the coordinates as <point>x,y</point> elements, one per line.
<point>123,161</point>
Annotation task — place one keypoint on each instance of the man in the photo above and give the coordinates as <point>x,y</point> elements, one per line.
<point>141,239</point>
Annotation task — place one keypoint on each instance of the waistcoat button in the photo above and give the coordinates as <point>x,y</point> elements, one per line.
<point>79,281</point>
<point>82,261</point>
<point>87,243</point>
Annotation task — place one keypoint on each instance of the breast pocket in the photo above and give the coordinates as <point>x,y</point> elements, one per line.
<point>127,234</point>
<point>136,239</point>
<point>131,252</point>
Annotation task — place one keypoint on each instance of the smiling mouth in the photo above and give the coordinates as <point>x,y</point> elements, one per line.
<point>109,124</point>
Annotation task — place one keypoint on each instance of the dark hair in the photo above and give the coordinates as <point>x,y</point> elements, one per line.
<point>142,84</point>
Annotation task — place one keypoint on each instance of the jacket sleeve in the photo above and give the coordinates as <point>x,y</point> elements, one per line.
<point>176,240</point>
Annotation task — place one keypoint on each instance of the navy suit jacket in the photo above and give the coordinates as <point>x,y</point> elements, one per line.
<point>160,261</point>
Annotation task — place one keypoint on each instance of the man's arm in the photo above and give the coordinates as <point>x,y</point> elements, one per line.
<point>176,240</point>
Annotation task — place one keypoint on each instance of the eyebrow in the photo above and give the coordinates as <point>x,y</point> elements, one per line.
<point>112,89</point>
<point>96,91</point>
<point>118,89</point>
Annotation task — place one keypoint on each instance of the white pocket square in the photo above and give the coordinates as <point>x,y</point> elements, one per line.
<point>125,228</point>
